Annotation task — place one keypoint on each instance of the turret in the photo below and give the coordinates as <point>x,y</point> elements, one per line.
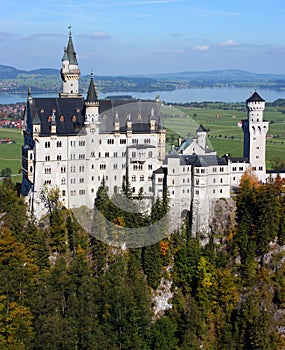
<point>91,104</point>
<point>70,71</point>
<point>201,137</point>
<point>255,130</point>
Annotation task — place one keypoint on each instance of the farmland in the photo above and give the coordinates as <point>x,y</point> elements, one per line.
<point>224,134</point>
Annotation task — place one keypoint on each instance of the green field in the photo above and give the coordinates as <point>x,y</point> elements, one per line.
<point>10,155</point>
<point>224,135</point>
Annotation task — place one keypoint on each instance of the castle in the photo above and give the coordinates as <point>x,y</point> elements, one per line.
<point>73,143</point>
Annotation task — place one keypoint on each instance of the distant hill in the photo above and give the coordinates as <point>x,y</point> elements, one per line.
<point>220,76</point>
<point>48,79</point>
<point>7,72</point>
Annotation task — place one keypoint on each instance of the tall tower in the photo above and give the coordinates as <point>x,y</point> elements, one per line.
<point>70,71</point>
<point>255,130</point>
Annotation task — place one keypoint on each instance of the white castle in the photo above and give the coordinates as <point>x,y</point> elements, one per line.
<point>73,143</point>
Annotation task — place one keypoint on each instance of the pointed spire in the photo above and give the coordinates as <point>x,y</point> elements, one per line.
<point>92,95</point>
<point>65,56</point>
<point>70,50</point>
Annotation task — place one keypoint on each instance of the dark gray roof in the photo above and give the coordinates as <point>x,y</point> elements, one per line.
<point>255,98</point>
<point>92,95</point>
<point>139,113</point>
<point>159,170</point>
<point>71,52</point>
<point>201,128</point>
<point>68,112</point>
<point>238,159</point>
<point>203,160</point>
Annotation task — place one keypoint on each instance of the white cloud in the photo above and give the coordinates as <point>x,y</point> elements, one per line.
<point>96,35</point>
<point>228,43</point>
<point>201,48</point>
<point>179,51</point>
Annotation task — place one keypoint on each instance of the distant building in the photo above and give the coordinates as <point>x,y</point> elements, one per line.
<point>74,143</point>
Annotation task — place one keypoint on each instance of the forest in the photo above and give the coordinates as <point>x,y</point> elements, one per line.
<point>61,288</point>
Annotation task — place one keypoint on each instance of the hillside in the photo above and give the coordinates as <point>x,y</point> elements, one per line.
<point>61,288</point>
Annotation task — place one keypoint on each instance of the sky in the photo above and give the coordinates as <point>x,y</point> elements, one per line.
<point>119,37</point>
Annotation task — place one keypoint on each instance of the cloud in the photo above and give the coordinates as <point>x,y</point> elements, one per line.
<point>228,43</point>
<point>201,48</point>
<point>96,35</point>
<point>179,51</point>
<point>176,35</point>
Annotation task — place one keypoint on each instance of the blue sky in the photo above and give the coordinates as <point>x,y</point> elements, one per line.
<point>145,36</point>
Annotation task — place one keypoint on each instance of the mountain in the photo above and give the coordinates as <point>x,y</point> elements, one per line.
<point>8,72</point>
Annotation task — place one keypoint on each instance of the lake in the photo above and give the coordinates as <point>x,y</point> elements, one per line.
<point>215,94</point>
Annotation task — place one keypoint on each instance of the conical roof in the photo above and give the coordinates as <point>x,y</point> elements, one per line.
<point>255,98</point>
<point>92,95</point>
<point>70,51</point>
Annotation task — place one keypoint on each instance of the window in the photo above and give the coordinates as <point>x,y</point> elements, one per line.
<point>106,154</point>
<point>81,192</point>
<point>221,169</point>
<point>92,166</point>
<point>63,193</point>
<point>102,166</point>
<point>47,144</point>
<point>160,179</point>
<point>134,178</point>
<point>123,141</point>
<point>110,141</point>
<point>81,168</point>
<point>197,192</point>
<point>81,156</point>
<point>221,181</point>
<point>134,140</point>
<point>202,171</point>
<point>81,180</point>
<point>72,169</point>
<point>92,154</point>
<point>58,158</point>
<point>63,181</point>
<point>62,169</point>
<point>150,154</point>
<point>137,167</point>
<point>47,158</point>
<point>115,166</point>
<point>115,154</point>
<point>47,182</point>
<point>72,143</point>
<point>214,170</point>
<point>150,167</point>
<point>221,191</point>
<point>58,144</point>
<point>73,192</point>
<point>92,178</point>
<point>123,154</point>
<point>234,168</point>
<point>73,181</point>
<point>81,143</point>
<point>197,181</point>
<point>133,154</point>
<point>260,168</point>
<point>241,168</point>
<point>47,170</point>
<point>197,170</point>
<point>141,178</point>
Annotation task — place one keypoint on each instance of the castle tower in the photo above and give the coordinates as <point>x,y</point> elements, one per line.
<point>70,71</point>
<point>255,130</point>
<point>91,104</point>
<point>201,137</point>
